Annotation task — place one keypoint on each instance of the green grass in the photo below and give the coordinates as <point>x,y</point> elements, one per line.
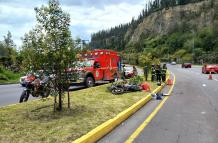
<point>7,76</point>
<point>35,121</point>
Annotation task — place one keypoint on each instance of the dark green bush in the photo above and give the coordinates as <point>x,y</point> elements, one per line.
<point>136,80</point>
<point>3,77</point>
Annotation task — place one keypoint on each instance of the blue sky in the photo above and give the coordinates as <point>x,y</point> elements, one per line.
<point>87,16</point>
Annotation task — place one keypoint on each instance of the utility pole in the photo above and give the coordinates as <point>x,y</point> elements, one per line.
<point>83,42</point>
<point>80,43</point>
<point>193,46</point>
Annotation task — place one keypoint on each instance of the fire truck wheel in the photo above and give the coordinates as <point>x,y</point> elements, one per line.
<point>89,82</point>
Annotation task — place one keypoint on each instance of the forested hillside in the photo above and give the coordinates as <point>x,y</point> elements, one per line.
<point>182,30</point>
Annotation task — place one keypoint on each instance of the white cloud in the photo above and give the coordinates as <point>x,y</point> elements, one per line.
<point>98,19</point>
<point>86,17</point>
<point>17,20</point>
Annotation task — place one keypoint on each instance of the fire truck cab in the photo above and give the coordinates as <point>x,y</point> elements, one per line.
<point>97,65</point>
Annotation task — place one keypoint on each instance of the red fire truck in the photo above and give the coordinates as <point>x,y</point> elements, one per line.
<point>95,66</point>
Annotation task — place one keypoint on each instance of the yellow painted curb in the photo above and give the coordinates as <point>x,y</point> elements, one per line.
<point>100,131</point>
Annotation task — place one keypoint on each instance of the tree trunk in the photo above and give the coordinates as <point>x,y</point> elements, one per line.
<point>55,102</point>
<point>60,98</point>
<point>55,96</point>
<point>60,86</point>
<point>68,95</point>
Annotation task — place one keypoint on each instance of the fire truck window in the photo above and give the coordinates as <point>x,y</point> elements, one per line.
<point>85,63</point>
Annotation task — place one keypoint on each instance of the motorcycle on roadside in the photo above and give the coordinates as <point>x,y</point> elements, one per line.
<point>37,87</point>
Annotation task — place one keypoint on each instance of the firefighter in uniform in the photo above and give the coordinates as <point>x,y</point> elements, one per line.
<point>152,72</point>
<point>135,72</point>
<point>123,76</point>
<point>146,73</point>
<point>163,72</point>
<point>158,73</point>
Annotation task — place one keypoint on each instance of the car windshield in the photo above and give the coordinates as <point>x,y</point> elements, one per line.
<point>129,68</point>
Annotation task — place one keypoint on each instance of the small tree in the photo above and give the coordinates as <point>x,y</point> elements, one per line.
<point>145,59</point>
<point>49,45</point>
<point>10,47</point>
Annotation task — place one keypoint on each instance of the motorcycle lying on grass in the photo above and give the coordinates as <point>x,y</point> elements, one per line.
<point>121,87</point>
<point>36,87</point>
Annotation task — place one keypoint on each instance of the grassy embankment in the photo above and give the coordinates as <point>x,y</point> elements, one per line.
<point>35,121</point>
<point>7,76</point>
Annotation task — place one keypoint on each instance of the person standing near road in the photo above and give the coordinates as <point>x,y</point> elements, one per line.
<point>153,72</point>
<point>163,72</point>
<point>123,72</point>
<point>158,73</point>
<point>135,72</point>
<point>146,73</point>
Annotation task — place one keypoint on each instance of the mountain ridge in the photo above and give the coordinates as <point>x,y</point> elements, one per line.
<point>166,21</point>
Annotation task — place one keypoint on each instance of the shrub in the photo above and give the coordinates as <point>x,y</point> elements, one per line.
<point>136,80</point>
<point>8,75</point>
<point>1,69</point>
<point>3,77</point>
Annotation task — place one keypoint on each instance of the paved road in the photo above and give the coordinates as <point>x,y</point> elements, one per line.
<point>10,94</point>
<point>190,115</point>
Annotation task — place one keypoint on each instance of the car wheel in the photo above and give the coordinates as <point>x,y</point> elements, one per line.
<point>89,82</point>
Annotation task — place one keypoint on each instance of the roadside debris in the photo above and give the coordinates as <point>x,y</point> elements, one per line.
<point>158,83</point>
<point>159,95</point>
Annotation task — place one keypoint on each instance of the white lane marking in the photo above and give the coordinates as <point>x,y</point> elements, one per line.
<point>203,112</point>
<point>215,79</point>
<point>204,85</point>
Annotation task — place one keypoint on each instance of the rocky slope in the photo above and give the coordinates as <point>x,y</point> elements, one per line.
<point>190,17</point>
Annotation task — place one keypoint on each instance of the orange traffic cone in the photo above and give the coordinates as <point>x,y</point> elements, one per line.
<point>169,82</point>
<point>210,76</point>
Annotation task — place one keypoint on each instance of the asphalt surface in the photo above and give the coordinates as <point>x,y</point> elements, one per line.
<point>10,94</point>
<point>190,115</point>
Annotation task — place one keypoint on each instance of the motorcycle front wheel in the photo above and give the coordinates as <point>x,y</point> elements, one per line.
<point>24,96</point>
<point>46,93</point>
<point>117,91</point>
